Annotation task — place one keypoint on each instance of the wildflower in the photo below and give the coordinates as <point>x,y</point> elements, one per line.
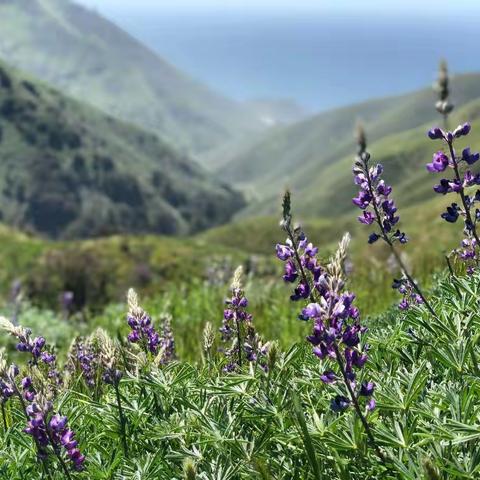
<point>410,297</point>
<point>142,331</point>
<point>7,379</point>
<point>381,211</point>
<point>51,430</point>
<point>339,403</point>
<point>238,329</point>
<point>336,329</point>
<point>166,351</point>
<point>466,207</point>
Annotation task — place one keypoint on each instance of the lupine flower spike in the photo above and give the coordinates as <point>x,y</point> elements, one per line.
<point>336,333</point>
<point>443,105</point>
<point>139,321</point>
<point>379,210</point>
<point>463,178</point>
<point>237,329</point>
<point>50,429</point>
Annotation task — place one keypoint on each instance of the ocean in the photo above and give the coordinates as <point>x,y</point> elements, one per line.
<point>319,61</point>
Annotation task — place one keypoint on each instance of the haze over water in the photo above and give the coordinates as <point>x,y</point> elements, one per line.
<point>321,61</point>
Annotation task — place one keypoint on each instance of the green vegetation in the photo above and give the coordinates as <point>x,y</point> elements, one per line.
<point>70,171</point>
<point>93,60</point>
<point>191,417</point>
<point>314,157</point>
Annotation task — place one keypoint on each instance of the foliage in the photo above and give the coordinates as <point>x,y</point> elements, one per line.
<point>254,424</point>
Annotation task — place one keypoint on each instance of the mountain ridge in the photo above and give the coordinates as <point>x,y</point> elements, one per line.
<point>90,58</point>
<point>68,170</point>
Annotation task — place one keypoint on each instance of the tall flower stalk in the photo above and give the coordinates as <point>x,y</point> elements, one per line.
<point>36,393</point>
<point>237,330</point>
<point>336,334</point>
<point>463,178</point>
<point>380,210</point>
<point>443,105</point>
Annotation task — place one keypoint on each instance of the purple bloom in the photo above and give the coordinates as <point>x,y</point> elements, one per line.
<point>328,377</point>
<point>362,200</point>
<point>439,162</point>
<point>301,292</point>
<point>284,252</point>
<point>452,213</point>
<point>468,157</point>
<point>142,333</point>
<point>339,403</point>
<point>462,130</point>
<point>367,388</point>
<point>312,310</point>
<point>291,273</point>
<point>310,250</point>
<point>443,187</point>
<point>435,133</point>
<point>237,329</point>
<point>373,237</point>
<point>52,432</point>
<point>366,218</point>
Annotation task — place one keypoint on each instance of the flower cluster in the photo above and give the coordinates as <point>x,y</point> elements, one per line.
<point>35,346</point>
<point>301,265</point>
<point>336,332</point>
<point>7,379</point>
<point>461,179</point>
<point>84,360</point>
<point>41,357</point>
<point>167,341</point>
<point>256,351</point>
<point>410,296</point>
<point>143,333</point>
<point>237,329</point>
<point>375,202</point>
<point>51,430</point>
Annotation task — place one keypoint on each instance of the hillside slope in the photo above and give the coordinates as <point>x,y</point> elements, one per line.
<point>90,58</point>
<point>68,170</point>
<point>307,156</point>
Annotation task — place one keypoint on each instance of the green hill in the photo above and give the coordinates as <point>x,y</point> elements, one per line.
<point>88,57</point>
<point>314,157</point>
<point>67,170</point>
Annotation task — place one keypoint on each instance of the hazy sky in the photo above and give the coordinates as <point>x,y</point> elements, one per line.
<point>388,6</point>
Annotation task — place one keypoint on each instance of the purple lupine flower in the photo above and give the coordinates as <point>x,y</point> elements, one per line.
<point>367,388</point>
<point>439,162</point>
<point>410,297</point>
<point>380,210</point>
<point>328,377</point>
<point>238,330</point>
<point>51,429</point>
<point>468,157</point>
<point>373,199</point>
<point>466,208</point>
<point>7,383</point>
<point>336,330</point>
<point>167,342</point>
<point>143,333</point>
<point>339,403</point>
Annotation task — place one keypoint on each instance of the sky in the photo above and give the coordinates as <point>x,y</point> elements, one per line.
<point>320,53</point>
<point>435,7</point>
